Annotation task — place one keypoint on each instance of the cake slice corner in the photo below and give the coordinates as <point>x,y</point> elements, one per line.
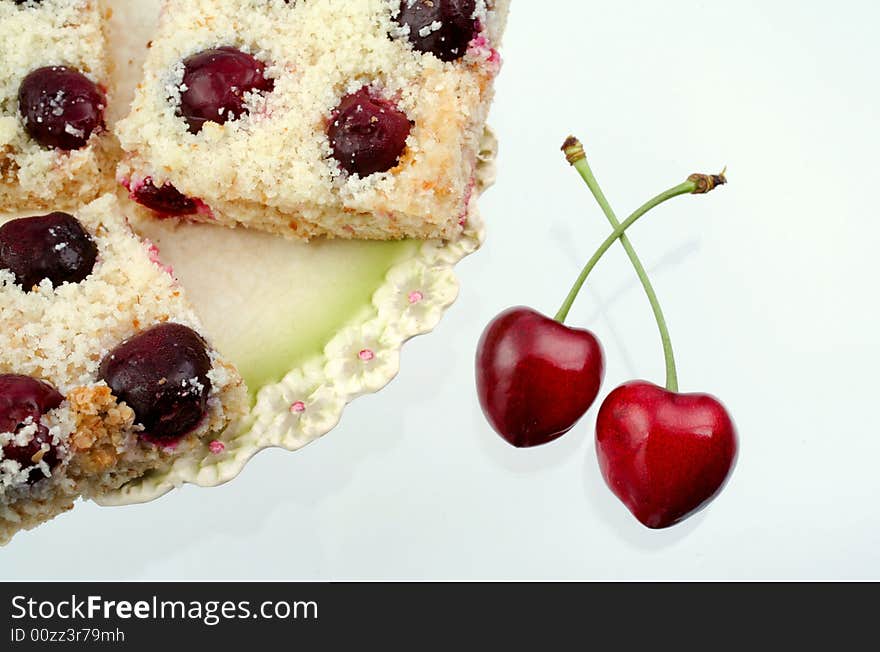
<point>105,373</point>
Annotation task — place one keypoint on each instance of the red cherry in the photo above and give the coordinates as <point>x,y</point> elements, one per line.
<point>536,378</point>
<point>61,108</point>
<point>665,455</point>
<point>215,83</point>
<point>368,133</point>
<point>166,200</point>
<point>54,247</point>
<point>25,400</point>
<point>162,374</point>
<point>443,28</point>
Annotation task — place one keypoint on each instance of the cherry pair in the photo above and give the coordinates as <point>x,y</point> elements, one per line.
<point>666,455</point>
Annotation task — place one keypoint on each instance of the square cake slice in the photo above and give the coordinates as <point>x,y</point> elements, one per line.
<point>55,150</point>
<point>340,118</point>
<point>104,373</point>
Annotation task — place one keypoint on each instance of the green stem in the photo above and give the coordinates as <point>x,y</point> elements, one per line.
<point>619,232</point>
<point>696,184</point>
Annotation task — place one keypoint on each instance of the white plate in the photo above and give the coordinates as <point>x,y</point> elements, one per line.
<point>310,326</point>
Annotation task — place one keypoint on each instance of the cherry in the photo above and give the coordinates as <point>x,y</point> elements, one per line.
<point>24,400</point>
<point>443,28</point>
<point>166,199</point>
<point>665,455</point>
<point>54,247</point>
<point>368,134</point>
<point>162,374</point>
<point>61,107</point>
<point>215,83</point>
<point>536,377</point>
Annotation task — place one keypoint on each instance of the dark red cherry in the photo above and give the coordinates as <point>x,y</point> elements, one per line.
<point>536,378</point>
<point>443,28</point>
<point>162,374</point>
<point>215,83</point>
<point>61,107</point>
<point>368,134</point>
<point>665,455</point>
<point>54,247</point>
<point>24,401</point>
<point>166,199</point>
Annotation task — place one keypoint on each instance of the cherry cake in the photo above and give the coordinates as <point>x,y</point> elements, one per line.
<point>339,118</point>
<point>54,146</point>
<point>104,373</point>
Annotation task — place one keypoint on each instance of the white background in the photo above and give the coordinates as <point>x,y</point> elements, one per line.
<point>769,286</point>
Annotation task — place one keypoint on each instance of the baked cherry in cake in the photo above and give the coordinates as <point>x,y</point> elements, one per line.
<point>165,200</point>
<point>54,247</point>
<point>368,133</point>
<point>443,28</point>
<point>162,374</point>
<point>23,402</point>
<point>215,83</point>
<point>61,107</point>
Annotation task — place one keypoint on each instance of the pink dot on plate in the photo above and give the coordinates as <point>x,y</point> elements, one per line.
<point>416,297</point>
<point>217,447</point>
<point>298,408</point>
<point>366,355</point>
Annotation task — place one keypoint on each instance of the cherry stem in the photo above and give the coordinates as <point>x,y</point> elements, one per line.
<point>619,232</point>
<point>696,184</point>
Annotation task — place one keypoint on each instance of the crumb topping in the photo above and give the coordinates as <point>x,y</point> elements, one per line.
<point>278,154</point>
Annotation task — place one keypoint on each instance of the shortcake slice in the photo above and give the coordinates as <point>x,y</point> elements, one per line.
<point>55,149</point>
<point>105,374</point>
<point>340,118</point>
